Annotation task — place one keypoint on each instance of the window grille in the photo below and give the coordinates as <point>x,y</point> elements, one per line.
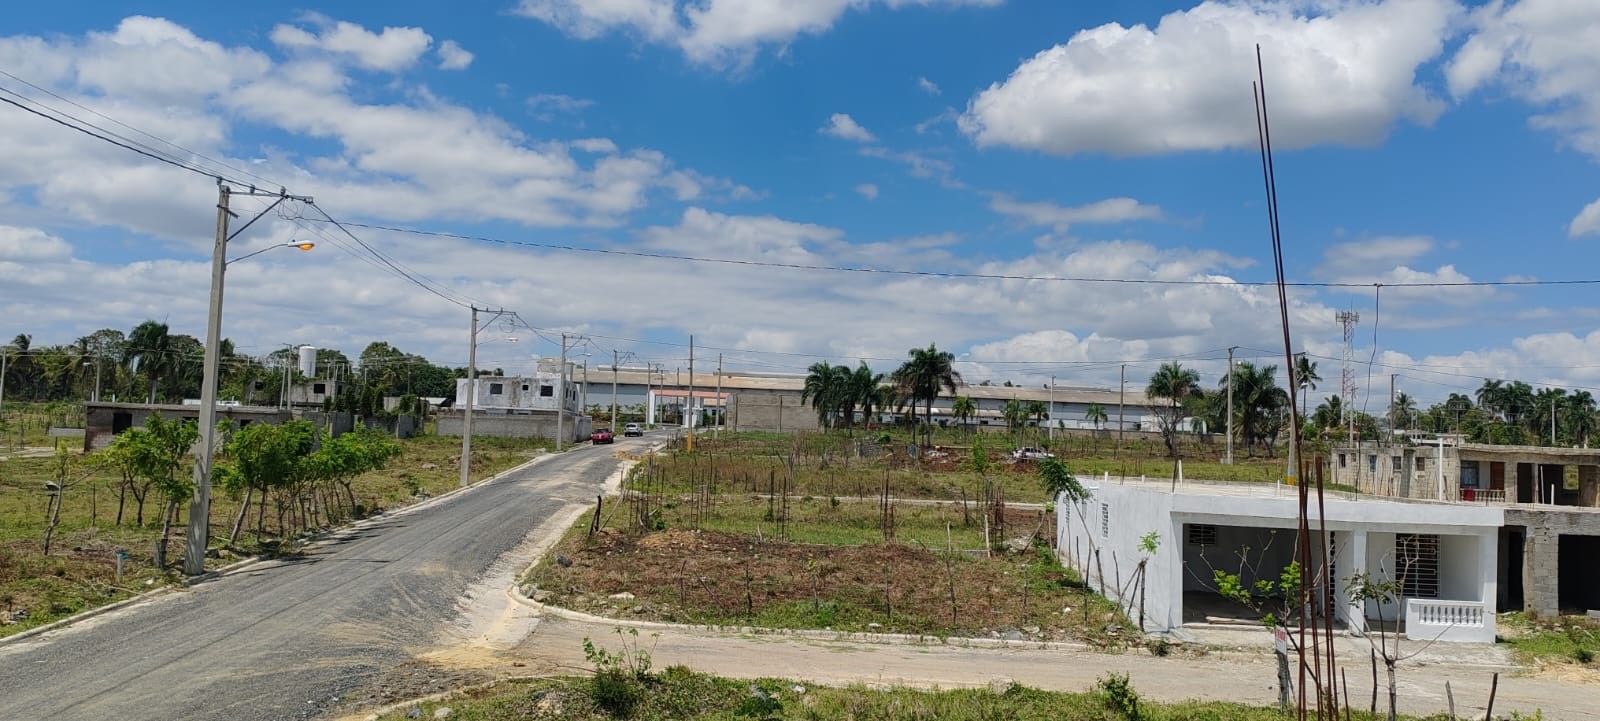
<point>1202,534</point>
<point>1417,564</point>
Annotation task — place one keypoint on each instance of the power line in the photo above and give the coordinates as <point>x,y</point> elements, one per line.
<point>957,274</point>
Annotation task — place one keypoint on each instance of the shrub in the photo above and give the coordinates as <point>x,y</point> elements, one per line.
<point>1120,696</point>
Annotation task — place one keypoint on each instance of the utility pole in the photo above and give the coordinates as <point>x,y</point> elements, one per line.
<point>583,404</point>
<point>1391,409</point>
<point>1122,391</point>
<point>689,407</point>
<point>97,378</point>
<point>195,542</point>
<point>3,356</point>
<point>649,404</point>
<point>613,390</point>
<point>561,401</point>
<point>1229,459</point>
<point>1051,416</point>
<point>722,407</point>
<point>466,408</point>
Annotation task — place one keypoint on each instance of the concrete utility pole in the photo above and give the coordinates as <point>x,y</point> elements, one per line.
<point>198,536</point>
<point>1390,440</point>
<point>1229,459</point>
<point>583,404</point>
<point>722,407</point>
<point>649,404</point>
<point>3,357</point>
<point>1051,416</point>
<point>1122,391</point>
<point>613,391</point>
<point>561,399</point>
<point>97,378</point>
<point>466,407</point>
<point>689,407</point>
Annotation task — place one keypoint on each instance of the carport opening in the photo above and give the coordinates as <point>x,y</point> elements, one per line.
<point>1579,585</point>
<point>1253,554</point>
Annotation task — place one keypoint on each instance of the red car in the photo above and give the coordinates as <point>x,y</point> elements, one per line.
<point>601,435</point>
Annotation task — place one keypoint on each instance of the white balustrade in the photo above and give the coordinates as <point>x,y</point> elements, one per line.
<point>1430,619</point>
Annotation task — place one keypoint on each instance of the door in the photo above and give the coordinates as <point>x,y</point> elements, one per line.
<point>1497,475</point>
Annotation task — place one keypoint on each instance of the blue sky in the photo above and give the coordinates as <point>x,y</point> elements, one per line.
<point>1419,141</point>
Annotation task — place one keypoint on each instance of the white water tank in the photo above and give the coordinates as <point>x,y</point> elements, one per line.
<point>308,361</point>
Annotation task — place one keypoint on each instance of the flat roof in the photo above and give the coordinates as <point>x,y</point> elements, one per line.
<point>734,382</point>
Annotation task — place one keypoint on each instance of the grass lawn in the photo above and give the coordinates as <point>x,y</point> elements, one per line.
<point>80,571</point>
<point>1568,640</point>
<point>833,572</point>
<point>678,693</point>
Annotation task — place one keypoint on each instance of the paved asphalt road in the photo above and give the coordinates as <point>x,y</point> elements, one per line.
<point>285,640</point>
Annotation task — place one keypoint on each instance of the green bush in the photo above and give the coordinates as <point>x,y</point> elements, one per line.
<point>1120,696</point>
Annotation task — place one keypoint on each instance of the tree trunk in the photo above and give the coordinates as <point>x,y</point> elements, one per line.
<point>122,492</point>
<point>244,509</point>
<point>1388,665</point>
<point>166,528</point>
<point>55,518</point>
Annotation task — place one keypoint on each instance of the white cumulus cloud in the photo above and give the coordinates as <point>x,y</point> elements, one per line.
<point>841,125</point>
<point>1345,75</point>
<point>390,50</point>
<point>453,57</point>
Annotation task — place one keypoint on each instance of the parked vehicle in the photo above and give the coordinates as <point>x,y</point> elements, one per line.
<point>632,429</point>
<point>601,435</point>
<point>1031,454</point>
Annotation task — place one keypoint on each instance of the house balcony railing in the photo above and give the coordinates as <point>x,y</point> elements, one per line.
<point>1429,619</point>
<point>1486,496</point>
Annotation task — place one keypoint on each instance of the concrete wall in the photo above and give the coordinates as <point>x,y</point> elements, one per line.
<point>1103,552</point>
<point>100,419</point>
<point>1251,553</point>
<point>530,425</point>
<point>1461,574</point>
<point>1540,562</point>
<point>775,411</point>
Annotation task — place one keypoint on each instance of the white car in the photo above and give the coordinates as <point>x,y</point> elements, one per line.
<point>632,429</point>
<point>1032,454</point>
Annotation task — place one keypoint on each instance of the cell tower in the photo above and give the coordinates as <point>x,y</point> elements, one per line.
<point>1347,376</point>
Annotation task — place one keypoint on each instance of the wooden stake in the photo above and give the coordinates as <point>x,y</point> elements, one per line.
<point>1488,713</point>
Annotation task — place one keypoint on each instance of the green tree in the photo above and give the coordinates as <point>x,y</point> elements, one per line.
<point>1170,388</point>
<point>1305,374</point>
<point>925,372</point>
<point>1580,417</point>
<point>825,387</point>
<point>863,389</point>
<point>1404,412</point>
<point>340,460</point>
<point>1014,413</point>
<point>1095,414</point>
<point>261,458</point>
<point>149,352</point>
<point>964,410</point>
<point>161,452</point>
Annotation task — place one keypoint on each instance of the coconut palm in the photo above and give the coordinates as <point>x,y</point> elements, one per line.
<point>863,389</point>
<point>1014,413</point>
<point>149,351</point>
<point>1580,416</point>
<point>925,372</point>
<point>1492,396</point>
<point>1305,375</point>
<point>1095,414</point>
<point>823,388</point>
<point>1404,411</point>
<point>1546,406</point>
<point>964,409</point>
<point>1170,389</point>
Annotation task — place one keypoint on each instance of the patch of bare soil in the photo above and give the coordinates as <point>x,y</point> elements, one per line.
<point>719,578</point>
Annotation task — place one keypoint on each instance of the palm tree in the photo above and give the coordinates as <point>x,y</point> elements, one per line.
<point>1492,396</point>
<point>964,409</point>
<point>822,388</point>
<point>1404,411</point>
<point>1095,414</point>
<point>1258,405</point>
<point>1036,411</point>
<point>1170,388</point>
<point>1014,413</point>
<point>149,351</point>
<point>925,372</point>
<point>1580,416</point>
<point>1546,403</point>
<point>862,388</point>
<point>1305,374</point>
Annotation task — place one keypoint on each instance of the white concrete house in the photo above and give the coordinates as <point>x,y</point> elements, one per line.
<point>1445,555</point>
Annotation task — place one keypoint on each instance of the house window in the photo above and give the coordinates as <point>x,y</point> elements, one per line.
<point>1372,463</point>
<point>1398,461</point>
<point>1422,464</point>
<point>524,387</point>
<point>1417,564</point>
<point>1202,534</point>
<point>1105,520</point>
<point>547,391</point>
<point>496,389</point>
<point>319,388</point>
<point>1341,460</point>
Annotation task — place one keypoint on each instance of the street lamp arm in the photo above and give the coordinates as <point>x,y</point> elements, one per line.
<point>303,245</point>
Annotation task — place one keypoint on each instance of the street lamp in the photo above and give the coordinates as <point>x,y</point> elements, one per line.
<point>197,538</point>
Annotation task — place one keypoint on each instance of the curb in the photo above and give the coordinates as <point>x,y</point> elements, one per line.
<point>239,565</point>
